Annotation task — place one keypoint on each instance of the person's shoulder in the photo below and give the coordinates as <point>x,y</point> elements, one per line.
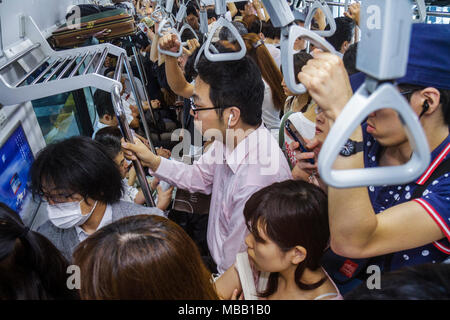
<point>49,230</point>
<point>122,209</point>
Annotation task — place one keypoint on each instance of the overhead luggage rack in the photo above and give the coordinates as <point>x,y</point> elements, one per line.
<point>56,78</point>
<point>65,73</point>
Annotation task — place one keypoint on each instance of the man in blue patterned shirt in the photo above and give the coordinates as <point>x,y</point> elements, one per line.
<point>390,224</point>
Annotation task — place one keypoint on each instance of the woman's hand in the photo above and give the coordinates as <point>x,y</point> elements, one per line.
<point>236,295</point>
<point>304,170</point>
<point>164,197</point>
<point>165,153</point>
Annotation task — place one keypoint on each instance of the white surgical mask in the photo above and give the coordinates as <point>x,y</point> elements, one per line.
<point>68,214</point>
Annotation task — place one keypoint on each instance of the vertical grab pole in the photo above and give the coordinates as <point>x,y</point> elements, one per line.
<point>139,103</point>
<point>126,132</point>
<point>140,65</point>
<point>141,76</point>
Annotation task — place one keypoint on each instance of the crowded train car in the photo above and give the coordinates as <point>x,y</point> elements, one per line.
<point>224,150</point>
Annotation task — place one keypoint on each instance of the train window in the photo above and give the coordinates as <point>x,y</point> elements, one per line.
<point>65,115</point>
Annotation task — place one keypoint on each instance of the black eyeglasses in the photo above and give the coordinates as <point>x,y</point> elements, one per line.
<point>195,108</point>
<point>56,198</point>
<point>405,93</point>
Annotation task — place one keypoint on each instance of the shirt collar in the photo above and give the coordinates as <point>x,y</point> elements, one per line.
<point>107,219</point>
<point>437,156</point>
<point>235,157</point>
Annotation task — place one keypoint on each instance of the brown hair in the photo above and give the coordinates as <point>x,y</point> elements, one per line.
<point>249,20</point>
<point>142,257</point>
<point>269,69</point>
<point>292,213</point>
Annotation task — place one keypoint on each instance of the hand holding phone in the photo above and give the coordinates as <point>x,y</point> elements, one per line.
<point>293,132</point>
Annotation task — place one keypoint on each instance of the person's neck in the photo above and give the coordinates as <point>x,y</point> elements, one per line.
<point>401,154</point>
<point>238,134</point>
<point>91,225</point>
<point>288,288</point>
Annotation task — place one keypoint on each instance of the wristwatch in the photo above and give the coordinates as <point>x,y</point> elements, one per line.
<point>351,147</point>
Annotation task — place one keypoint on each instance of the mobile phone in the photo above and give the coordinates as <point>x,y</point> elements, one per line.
<point>290,128</point>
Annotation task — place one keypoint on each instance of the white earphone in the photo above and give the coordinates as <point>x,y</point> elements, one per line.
<point>229,119</point>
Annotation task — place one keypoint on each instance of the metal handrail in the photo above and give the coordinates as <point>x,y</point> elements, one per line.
<point>287,50</point>
<point>126,132</point>
<point>357,109</point>
<point>25,77</point>
<point>20,55</point>
<point>12,95</point>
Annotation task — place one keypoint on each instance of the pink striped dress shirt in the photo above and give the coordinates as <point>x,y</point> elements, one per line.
<point>231,177</point>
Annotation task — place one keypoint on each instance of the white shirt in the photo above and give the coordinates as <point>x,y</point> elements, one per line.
<point>97,126</point>
<point>129,192</point>
<point>127,101</point>
<point>107,219</point>
<point>275,53</point>
<point>270,115</point>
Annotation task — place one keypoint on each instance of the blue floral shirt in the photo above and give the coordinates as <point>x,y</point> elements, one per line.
<point>435,200</point>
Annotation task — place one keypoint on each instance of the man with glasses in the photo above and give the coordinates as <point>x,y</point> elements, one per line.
<point>243,158</point>
<point>391,226</point>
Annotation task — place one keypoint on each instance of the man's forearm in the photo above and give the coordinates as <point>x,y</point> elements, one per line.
<point>351,216</point>
<point>175,78</point>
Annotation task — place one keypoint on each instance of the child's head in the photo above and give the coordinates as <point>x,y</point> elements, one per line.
<point>110,137</point>
<point>288,224</point>
<point>105,109</point>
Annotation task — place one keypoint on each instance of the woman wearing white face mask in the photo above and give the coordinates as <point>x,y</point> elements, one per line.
<point>82,186</point>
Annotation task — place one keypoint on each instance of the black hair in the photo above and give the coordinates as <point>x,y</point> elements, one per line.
<point>270,31</point>
<point>225,33</point>
<point>349,59</point>
<point>31,267</point>
<point>240,5</point>
<point>234,83</point>
<point>77,165</point>
<point>256,27</point>
<point>444,100</point>
<point>211,13</point>
<point>192,9</point>
<point>187,35</point>
<point>291,213</point>
<point>109,137</point>
<point>103,103</point>
<point>300,60</point>
<point>344,32</point>
<point>422,282</point>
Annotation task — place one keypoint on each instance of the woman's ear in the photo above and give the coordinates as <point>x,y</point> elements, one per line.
<point>298,255</point>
